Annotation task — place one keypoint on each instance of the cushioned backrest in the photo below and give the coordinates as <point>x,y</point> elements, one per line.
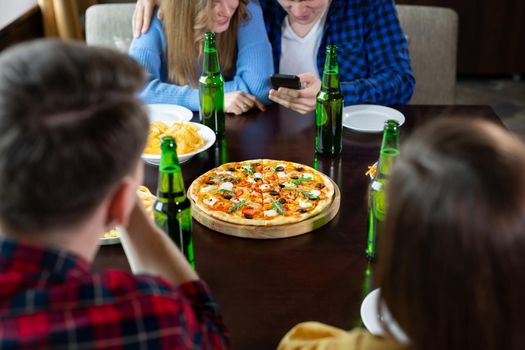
<point>110,25</point>
<point>432,42</point>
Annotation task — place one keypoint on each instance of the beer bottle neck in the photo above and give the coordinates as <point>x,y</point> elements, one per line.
<point>389,151</point>
<point>211,60</point>
<point>331,70</point>
<point>171,183</point>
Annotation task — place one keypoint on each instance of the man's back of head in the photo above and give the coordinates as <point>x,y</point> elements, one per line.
<point>71,126</point>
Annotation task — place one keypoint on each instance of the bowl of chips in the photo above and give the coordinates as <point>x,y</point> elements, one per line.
<point>192,138</point>
<point>147,198</point>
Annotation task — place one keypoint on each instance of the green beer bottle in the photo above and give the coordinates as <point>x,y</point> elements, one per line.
<point>329,108</point>
<point>377,192</point>
<point>172,210</point>
<point>211,88</point>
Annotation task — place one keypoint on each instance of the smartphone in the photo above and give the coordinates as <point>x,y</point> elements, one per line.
<point>285,80</point>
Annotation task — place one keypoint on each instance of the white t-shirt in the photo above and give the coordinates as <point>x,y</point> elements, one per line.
<point>299,55</point>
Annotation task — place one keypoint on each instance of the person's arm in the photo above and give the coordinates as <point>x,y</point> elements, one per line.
<point>148,50</point>
<point>390,79</point>
<point>150,251</point>
<point>254,64</point>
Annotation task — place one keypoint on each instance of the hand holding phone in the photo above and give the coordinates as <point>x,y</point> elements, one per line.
<point>285,80</point>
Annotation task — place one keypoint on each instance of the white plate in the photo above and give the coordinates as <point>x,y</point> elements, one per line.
<point>369,118</point>
<point>209,139</point>
<point>168,113</point>
<point>371,318</point>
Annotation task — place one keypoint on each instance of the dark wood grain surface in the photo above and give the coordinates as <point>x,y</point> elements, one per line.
<point>264,287</point>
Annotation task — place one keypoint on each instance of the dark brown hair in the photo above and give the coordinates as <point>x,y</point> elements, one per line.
<point>71,127</point>
<point>453,251</point>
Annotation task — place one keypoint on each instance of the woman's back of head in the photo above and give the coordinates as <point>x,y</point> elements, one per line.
<point>453,247</point>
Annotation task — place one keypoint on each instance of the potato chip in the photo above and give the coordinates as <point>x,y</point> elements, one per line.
<point>186,135</point>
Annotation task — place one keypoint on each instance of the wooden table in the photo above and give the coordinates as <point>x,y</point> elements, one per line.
<point>264,287</point>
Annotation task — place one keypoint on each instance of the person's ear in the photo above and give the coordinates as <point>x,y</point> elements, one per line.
<point>121,203</point>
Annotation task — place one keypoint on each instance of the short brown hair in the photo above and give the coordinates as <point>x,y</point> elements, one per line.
<point>71,127</point>
<point>453,251</point>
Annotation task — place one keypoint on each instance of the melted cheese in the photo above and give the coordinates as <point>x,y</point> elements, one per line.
<point>210,201</point>
<point>270,212</point>
<point>257,175</point>
<point>308,176</point>
<point>315,193</point>
<point>281,174</point>
<point>226,186</point>
<point>305,204</point>
<point>208,188</point>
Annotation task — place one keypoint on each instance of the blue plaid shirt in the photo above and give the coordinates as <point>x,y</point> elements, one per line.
<point>374,66</point>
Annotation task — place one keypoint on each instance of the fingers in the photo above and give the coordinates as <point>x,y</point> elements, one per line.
<point>148,13</point>
<point>256,102</point>
<point>138,15</point>
<point>301,105</point>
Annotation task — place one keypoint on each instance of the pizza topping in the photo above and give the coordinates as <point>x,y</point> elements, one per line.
<point>281,174</point>
<point>223,172</point>
<point>257,175</point>
<point>278,207</point>
<point>320,185</point>
<point>315,193</point>
<point>231,169</point>
<point>299,181</point>
<point>208,188</point>
<point>249,212</point>
<point>264,187</point>
<point>308,176</point>
<point>288,184</point>
<point>305,204</point>
<point>294,177</point>
<point>302,211</point>
<point>310,195</point>
<point>236,206</point>
<point>280,167</point>
<point>226,186</point>
<point>274,193</point>
<point>281,185</point>
<point>282,200</point>
<point>299,168</point>
<point>210,182</point>
<point>247,169</point>
<point>210,201</point>
<point>270,213</point>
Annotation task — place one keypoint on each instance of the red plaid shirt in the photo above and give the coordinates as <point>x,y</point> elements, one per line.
<point>52,300</point>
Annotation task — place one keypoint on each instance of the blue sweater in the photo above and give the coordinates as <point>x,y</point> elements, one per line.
<point>253,68</point>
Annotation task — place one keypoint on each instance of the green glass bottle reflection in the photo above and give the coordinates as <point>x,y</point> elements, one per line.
<point>377,192</point>
<point>329,108</point>
<point>172,209</point>
<point>211,88</point>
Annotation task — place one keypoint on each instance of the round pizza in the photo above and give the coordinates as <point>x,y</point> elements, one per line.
<point>262,192</point>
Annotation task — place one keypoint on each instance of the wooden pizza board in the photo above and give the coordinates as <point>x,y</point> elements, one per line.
<point>270,232</point>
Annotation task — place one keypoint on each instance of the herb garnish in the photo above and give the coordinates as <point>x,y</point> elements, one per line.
<point>309,195</point>
<point>301,180</point>
<point>277,206</point>
<point>236,206</point>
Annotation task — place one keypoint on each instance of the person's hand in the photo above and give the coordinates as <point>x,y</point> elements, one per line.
<point>239,102</point>
<point>303,100</point>
<point>142,16</point>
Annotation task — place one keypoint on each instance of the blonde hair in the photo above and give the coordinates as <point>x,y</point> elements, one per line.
<point>185,22</point>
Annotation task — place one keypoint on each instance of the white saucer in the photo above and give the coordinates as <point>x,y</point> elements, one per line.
<point>168,113</point>
<point>370,118</point>
<point>370,318</point>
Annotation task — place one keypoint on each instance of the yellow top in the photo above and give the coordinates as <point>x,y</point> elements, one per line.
<point>318,336</point>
